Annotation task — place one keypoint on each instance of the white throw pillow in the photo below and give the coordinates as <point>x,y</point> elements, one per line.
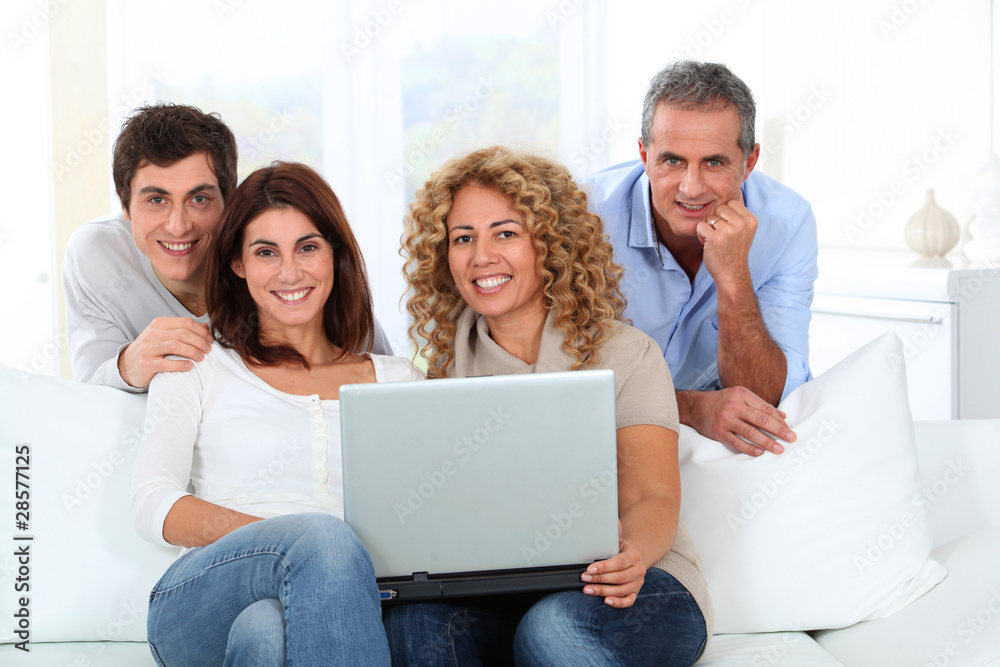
<point>826,534</point>
<point>67,448</point>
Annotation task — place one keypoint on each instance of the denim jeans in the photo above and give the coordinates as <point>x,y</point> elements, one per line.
<point>296,590</point>
<point>663,627</point>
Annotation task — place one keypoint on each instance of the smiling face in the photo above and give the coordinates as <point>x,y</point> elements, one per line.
<point>288,266</point>
<point>174,212</point>
<point>694,164</point>
<point>492,258</point>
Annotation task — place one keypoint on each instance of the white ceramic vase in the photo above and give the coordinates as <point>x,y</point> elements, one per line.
<point>932,231</point>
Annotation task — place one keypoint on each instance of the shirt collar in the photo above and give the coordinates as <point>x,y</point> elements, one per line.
<point>477,354</point>
<point>641,233</point>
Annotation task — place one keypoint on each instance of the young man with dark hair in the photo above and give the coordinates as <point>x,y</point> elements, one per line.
<point>135,285</point>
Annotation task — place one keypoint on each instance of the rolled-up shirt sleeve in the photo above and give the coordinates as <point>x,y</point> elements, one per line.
<point>163,463</point>
<point>786,297</point>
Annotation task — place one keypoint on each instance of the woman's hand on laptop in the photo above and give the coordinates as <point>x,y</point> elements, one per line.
<point>617,579</point>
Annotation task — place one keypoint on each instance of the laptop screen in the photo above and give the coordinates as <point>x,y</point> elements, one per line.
<point>482,475</point>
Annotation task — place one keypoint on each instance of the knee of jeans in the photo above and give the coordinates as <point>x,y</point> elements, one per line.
<point>555,609</point>
<point>554,615</point>
<point>259,627</point>
<point>264,617</point>
<point>327,538</point>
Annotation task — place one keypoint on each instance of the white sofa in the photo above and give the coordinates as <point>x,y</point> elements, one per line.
<point>936,629</point>
<point>88,575</point>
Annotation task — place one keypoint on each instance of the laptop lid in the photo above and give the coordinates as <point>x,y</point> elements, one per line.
<point>482,485</point>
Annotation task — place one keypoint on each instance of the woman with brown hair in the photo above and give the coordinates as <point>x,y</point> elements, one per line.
<point>271,574</point>
<point>509,273</point>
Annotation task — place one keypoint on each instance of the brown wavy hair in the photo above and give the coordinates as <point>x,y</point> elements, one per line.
<point>162,134</point>
<point>581,282</point>
<point>348,318</point>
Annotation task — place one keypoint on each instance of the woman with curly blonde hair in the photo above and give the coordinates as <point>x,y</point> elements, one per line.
<point>509,273</point>
<point>574,257</point>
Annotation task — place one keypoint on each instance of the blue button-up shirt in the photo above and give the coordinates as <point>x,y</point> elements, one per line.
<point>682,315</point>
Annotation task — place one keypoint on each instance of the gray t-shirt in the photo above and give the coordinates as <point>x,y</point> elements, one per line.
<point>112,295</point>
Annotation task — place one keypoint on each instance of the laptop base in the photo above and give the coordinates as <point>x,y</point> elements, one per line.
<point>423,586</point>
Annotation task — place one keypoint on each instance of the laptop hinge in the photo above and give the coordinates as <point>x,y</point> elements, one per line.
<point>420,576</point>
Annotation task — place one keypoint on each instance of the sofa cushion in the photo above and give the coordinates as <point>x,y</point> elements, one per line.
<point>87,575</point>
<point>767,649</point>
<point>80,654</point>
<point>826,534</point>
<point>959,462</point>
<point>957,624</point>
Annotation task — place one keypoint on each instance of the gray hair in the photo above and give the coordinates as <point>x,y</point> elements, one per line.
<point>692,85</point>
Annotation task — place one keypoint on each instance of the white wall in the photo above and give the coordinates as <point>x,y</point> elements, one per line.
<point>27,333</point>
<point>862,104</point>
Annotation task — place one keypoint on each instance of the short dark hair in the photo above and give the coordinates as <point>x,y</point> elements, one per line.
<point>348,317</point>
<point>162,134</point>
<point>688,84</point>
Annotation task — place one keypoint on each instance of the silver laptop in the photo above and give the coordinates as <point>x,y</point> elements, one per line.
<point>481,486</point>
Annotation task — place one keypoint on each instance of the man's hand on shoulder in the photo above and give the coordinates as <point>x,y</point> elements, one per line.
<point>146,355</point>
<point>736,417</point>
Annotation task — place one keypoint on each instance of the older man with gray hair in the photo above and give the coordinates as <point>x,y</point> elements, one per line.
<point>719,259</point>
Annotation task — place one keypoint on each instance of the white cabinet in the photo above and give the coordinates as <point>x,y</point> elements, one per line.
<point>946,311</point>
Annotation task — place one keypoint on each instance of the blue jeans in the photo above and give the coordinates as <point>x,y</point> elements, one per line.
<point>296,590</point>
<point>663,627</point>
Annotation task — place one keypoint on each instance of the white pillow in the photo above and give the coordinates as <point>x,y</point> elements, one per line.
<point>88,574</point>
<point>826,534</point>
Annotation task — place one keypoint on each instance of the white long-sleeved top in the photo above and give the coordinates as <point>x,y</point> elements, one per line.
<point>112,295</point>
<point>222,433</point>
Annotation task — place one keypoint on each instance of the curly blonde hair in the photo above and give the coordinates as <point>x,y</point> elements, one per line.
<point>581,282</point>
